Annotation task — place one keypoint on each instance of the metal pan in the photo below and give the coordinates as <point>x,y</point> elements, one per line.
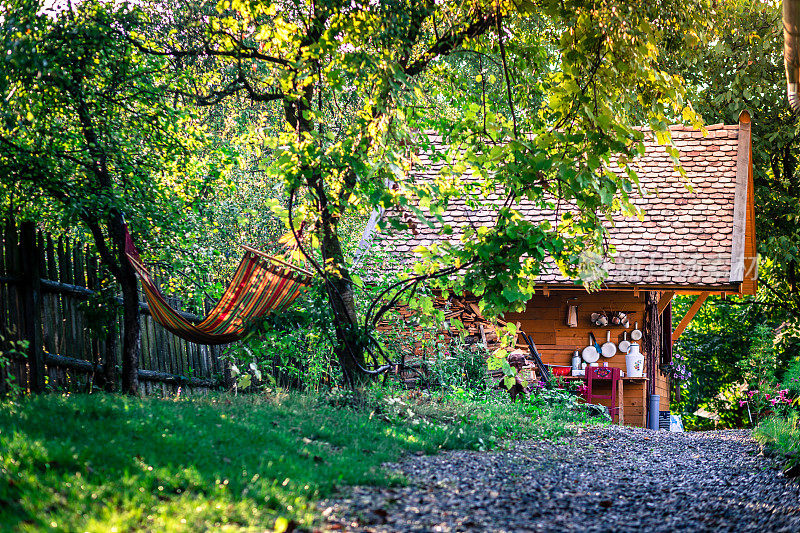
<point>609,349</point>
<point>591,353</point>
<point>636,334</point>
<point>624,345</point>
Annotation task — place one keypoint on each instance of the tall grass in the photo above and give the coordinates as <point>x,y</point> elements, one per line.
<point>781,436</point>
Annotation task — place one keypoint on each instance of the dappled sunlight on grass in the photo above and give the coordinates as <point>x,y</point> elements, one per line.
<point>91,463</point>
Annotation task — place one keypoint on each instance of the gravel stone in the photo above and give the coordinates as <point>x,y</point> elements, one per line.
<point>602,479</point>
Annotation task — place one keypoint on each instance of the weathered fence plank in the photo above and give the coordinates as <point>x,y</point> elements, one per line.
<point>31,299</point>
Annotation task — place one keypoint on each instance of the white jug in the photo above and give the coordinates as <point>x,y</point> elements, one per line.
<point>634,361</point>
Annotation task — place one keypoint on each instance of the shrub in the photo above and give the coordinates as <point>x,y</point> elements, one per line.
<point>781,436</point>
<point>293,349</point>
<point>457,366</point>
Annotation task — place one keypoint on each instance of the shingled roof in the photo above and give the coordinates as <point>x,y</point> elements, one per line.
<point>687,239</point>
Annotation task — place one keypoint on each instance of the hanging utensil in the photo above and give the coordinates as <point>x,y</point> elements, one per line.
<point>609,349</point>
<point>537,359</point>
<point>591,353</point>
<point>636,334</point>
<point>625,344</point>
<point>572,316</point>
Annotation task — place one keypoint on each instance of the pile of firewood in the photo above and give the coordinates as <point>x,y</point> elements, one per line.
<point>477,328</point>
<point>418,343</point>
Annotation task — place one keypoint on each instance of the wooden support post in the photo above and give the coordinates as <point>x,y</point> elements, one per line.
<point>666,336</point>
<point>651,342</point>
<point>516,337</point>
<point>483,337</point>
<point>663,302</point>
<point>31,302</point>
<point>689,315</point>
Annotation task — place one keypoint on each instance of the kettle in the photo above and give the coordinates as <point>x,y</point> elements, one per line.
<point>576,360</point>
<point>634,362</point>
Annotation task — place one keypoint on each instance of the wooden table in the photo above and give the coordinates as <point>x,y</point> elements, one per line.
<point>621,395</point>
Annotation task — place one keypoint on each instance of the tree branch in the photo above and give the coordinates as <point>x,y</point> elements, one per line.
<point>450,41</point>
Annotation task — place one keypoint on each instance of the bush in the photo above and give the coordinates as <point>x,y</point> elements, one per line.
<point>781,436</point>
<point>458,367</point>
<point>791,379</point>
<point>293,349</point>
<point>728,349</point>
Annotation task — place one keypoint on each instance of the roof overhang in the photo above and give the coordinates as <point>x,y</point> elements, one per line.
<point>725,290</point>
<point>743,170</point>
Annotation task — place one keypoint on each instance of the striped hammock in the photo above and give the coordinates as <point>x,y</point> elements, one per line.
<point>260,285</point>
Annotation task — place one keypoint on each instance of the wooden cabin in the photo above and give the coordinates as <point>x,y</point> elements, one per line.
<point>698,242</point>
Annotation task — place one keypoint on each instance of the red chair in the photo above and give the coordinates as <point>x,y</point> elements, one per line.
<point>603,373</point>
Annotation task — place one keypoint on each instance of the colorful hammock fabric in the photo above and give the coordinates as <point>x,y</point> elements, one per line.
<point>258,287</point>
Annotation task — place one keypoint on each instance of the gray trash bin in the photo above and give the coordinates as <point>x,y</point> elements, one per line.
<point>652,417</point>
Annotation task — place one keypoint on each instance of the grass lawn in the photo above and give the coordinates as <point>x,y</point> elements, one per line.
<point>781,436</point>
<point>104,463</point>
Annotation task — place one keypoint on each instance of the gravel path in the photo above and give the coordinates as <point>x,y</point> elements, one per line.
<point>604,479</point>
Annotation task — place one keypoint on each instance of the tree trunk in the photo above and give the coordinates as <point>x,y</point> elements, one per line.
<point>131,327</point>
<point>130,336</point>
<point>349,351</point>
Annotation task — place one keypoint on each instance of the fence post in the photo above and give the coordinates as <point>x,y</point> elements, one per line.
<point>32,302</point>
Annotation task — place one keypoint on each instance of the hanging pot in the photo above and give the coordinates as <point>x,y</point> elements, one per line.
<point>591,353</point>
<point>609,349</point>
<point>636,334</point>
<point>624,345</point>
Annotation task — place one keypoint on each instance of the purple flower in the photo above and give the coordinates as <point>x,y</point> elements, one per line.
<point>742,402</point>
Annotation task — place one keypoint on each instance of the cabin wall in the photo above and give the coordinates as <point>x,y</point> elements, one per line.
<point>545,320</point>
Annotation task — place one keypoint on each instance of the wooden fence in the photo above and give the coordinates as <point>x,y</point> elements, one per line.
<point>45,290</point>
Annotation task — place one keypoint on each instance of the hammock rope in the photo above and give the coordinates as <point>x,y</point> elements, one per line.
<point>260,285</point>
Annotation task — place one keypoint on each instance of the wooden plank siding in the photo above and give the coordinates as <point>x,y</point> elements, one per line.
<point>545,319</point>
